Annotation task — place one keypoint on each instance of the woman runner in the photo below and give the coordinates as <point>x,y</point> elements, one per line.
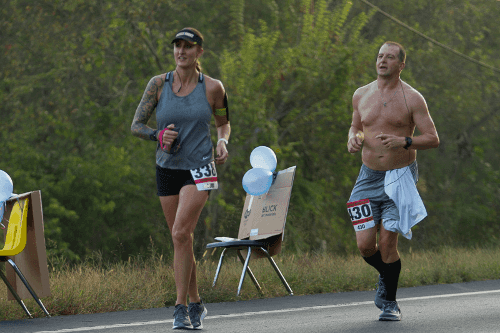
<point>185,100</point>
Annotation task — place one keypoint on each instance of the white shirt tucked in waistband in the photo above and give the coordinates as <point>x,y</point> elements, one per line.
<point>400,187</point>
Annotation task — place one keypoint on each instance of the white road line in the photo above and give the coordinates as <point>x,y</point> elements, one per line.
<point>103,327</point>
<point>247,314</point>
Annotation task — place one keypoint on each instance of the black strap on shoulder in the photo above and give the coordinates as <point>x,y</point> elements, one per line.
<point>167,77</point>
<point>226,106</point>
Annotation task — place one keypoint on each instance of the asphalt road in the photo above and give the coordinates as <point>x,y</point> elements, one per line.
<point>465,307</point>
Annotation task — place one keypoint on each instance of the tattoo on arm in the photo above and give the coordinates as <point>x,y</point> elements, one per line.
<point>145,109</point>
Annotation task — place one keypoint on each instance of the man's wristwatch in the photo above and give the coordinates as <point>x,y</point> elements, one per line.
<point>408,142</point>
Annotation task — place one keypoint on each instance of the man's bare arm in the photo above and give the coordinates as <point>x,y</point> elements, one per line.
<point>429,137</point>
<point>354,142</point>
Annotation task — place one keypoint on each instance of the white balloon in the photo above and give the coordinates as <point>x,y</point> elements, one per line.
<point>6,186</point>
<point>263,157</point>
<point>257,181</point>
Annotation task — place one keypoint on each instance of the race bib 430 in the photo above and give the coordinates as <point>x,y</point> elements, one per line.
<point>361,214</point>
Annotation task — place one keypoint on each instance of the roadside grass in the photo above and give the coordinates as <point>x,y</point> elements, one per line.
<point>96,287</point>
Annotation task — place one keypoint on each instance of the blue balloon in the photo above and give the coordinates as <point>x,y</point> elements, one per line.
<point>6,186</point>
<point>257,181</point>
<point>263,157</point>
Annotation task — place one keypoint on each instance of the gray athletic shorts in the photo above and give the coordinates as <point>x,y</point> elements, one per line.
<point>370,185</point>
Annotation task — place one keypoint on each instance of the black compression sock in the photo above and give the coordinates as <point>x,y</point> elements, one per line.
<point>391,279</point>
<point>376,261</point>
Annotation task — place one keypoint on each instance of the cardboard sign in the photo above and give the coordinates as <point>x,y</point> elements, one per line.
<point>32,261</point>
<point>264,216</point>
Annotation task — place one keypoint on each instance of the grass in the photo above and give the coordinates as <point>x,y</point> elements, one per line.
<point>94,287</point>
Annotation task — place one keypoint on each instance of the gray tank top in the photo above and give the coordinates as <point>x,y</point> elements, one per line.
<point>191,116</point>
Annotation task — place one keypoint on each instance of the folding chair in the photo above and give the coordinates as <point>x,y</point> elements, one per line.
<point>261,229</point>
<point>15,242</point>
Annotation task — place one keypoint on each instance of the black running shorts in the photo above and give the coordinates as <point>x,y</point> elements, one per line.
<point>170,181</point>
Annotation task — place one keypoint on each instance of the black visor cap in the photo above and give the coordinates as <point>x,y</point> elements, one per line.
<point>188,35</point>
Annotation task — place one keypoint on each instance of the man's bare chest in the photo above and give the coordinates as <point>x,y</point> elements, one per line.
<point>374,113</point>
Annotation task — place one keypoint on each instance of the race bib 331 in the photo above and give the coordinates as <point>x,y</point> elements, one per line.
<point>361,214</point>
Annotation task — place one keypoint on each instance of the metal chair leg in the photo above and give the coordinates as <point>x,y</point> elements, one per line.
<point>16,296</point>
<point>32,292</point>
<point>249,271</point>
<point>245,266</point>
<point>273,263</point>
<point>218,267</point>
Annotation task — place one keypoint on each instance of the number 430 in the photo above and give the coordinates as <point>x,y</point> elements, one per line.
<point>358,212</point>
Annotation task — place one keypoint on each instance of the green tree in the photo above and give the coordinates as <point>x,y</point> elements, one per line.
<point>292,92</point>
<point>73,73</point>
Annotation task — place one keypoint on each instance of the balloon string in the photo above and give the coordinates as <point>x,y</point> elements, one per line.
<point>2,208</point>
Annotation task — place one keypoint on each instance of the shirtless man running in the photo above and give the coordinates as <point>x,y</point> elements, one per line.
<point>385,199</point>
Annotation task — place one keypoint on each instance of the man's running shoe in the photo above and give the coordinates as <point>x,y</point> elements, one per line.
<point>197,311</point>
<point>390,311</point>
<point>381,293</point>
<point>181,318</point>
